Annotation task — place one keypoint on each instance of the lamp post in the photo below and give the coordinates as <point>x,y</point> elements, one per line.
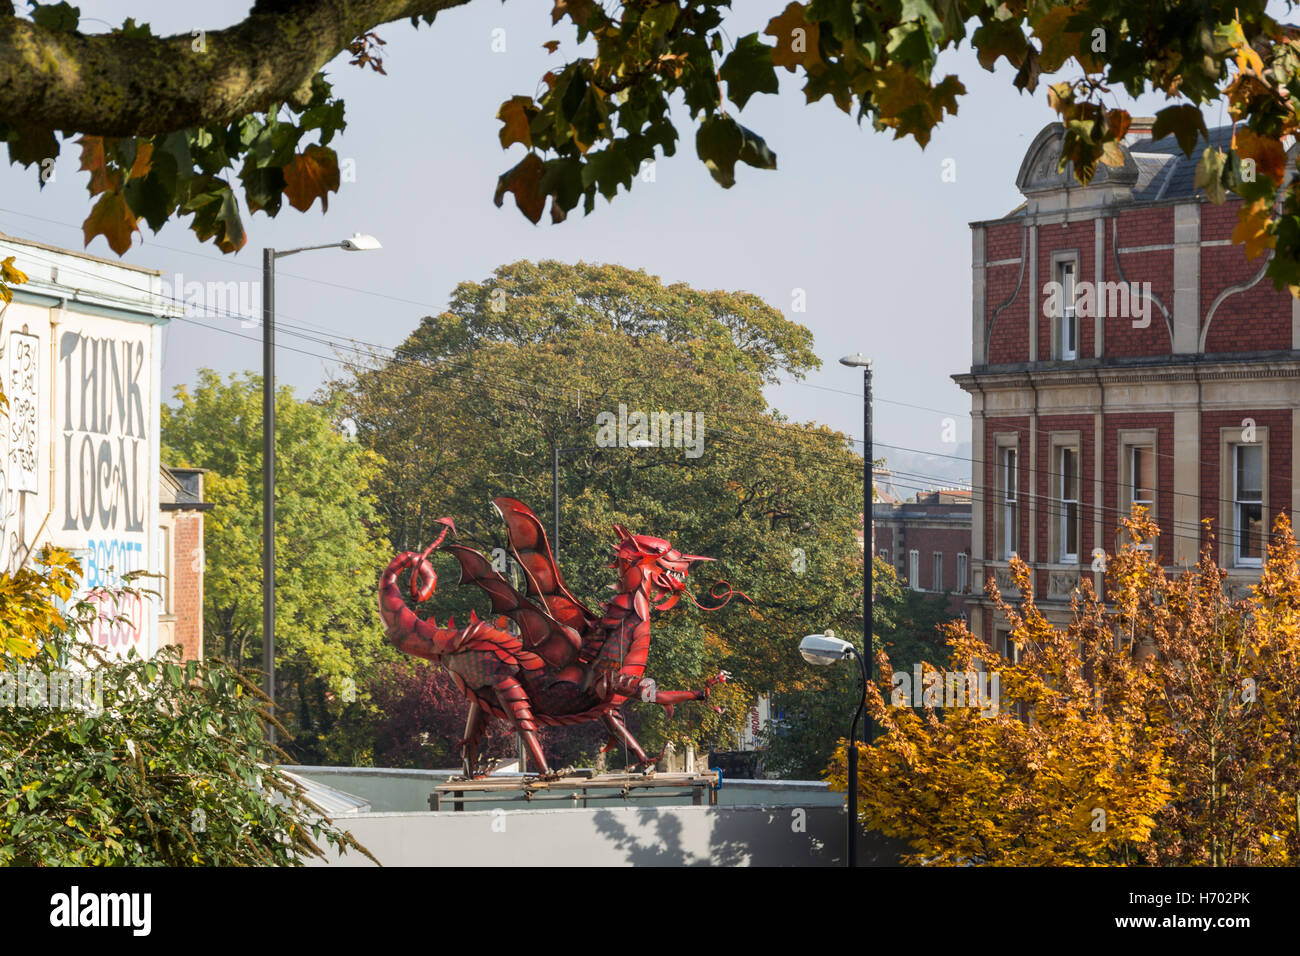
<point>822,649</point>
<point>358,243</point>
<point>556,451</point>
<point>858,360</point>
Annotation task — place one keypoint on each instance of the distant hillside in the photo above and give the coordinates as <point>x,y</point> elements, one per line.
<point>911,472</point>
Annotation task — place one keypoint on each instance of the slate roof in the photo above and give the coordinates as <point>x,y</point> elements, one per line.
<point>1165,172</point>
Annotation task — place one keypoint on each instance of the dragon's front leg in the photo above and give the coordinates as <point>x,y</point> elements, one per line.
<point>618,733</point>
<point>647,690</point>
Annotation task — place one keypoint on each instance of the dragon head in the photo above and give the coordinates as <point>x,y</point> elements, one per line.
<point>642,559</point>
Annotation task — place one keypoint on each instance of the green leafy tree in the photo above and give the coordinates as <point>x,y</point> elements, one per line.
<point>811,721</point>
<point>250,103</point>
<point>147,763</point>
<point>329,546</point>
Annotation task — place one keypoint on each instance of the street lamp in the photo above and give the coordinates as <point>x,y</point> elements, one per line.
<point>824,649</point>
<point>358,243</point>
<point>556,451</point>
<point>858,360</point>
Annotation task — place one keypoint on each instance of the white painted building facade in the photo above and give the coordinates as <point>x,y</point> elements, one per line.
<point>81,359</point>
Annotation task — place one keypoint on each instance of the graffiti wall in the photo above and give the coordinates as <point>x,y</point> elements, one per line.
<point>83,398</point>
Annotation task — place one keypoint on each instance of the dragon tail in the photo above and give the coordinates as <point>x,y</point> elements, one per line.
<point>403,628</point>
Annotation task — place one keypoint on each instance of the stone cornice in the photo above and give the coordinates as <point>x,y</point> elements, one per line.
<point>1179,368</point>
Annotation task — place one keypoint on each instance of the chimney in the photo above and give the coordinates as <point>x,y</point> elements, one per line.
<point>1139,128</point>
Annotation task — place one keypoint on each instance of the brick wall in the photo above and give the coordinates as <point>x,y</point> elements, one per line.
<point>187,584</point>
<point>1007,332</point>
<point>1253,319</point>
<point>1216,499</point>
<point>1138,228</point>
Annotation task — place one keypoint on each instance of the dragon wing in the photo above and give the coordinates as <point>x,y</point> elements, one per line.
<point>531,549</point>
<point>554,642</point>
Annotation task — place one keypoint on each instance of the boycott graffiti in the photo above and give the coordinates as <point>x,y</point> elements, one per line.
<point>106,560</point>
<point>105,445</point>
<point>119,620</point>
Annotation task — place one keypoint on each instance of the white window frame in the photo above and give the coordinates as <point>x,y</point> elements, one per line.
<point>936,568</point>
<point>1130,442</point>
<point>1240,503</point>
<point>963,571</point>
<point>1064,501</point>
<point>1065,271</point>
<point>1009,501</point>
<point>914,569</point>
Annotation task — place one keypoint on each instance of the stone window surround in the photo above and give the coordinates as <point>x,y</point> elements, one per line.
<point>1126,439</point>
<point>1059,256</point>
<point>1001,443</point>
<point>1229,439</point>
<point>1057,442</point>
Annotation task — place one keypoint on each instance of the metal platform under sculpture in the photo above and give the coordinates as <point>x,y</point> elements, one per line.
<point>577,789</point>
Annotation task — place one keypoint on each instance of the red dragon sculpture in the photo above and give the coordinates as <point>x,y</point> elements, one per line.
<point>566,665</point>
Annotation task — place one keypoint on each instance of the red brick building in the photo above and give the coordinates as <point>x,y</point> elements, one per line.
<point>928,542</point>
<point>1125,353</point>
<point>180,556</point>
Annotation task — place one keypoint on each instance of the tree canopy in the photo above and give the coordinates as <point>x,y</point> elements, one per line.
<point>1158,728</point>
<point>165,123</point>
<point>328,545</point>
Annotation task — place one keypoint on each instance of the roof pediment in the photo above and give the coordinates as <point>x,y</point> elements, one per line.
<point>1039,174</point>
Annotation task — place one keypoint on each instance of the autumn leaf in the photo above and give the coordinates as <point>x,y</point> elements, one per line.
<point>515,115</point>
<point>1185,123</point>
<point>1058,45</point>
<point>113,219</point>
<point>143,161</point>
<point>579,11</point>
<point>1253,220</point>
<point>796,38</point>
<point>95,162</point>
<point>10,275</point>
<point>1000,38</point>
<point>310,175</point>
<point>909,105</point>
<point>523,180</point>
<point>1266,151</point>
<point>1209,175</point>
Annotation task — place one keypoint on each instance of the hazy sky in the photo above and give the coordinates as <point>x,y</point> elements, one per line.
<point>860,222</point>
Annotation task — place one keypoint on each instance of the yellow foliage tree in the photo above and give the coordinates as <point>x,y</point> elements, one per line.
<point>1156,728</point>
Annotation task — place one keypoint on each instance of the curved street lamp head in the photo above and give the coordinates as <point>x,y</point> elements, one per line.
<point>856,360</point>
<point>824,649</point>
<point>360,243</point>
